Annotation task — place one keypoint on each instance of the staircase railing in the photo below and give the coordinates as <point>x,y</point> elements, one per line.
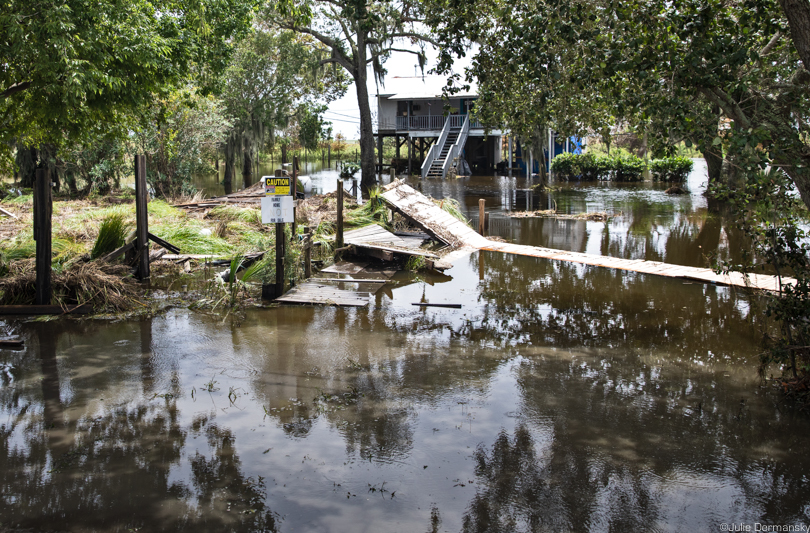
<point>455,150</point>
<point>436,149</point>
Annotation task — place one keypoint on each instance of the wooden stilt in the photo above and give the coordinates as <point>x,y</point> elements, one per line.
<point>295,196</point>
<point>307,252</point>
<point>141,219</point>
<point>339,229</point>
<point>280,246</point>
<point>43,210</point>
<point>481,216</point>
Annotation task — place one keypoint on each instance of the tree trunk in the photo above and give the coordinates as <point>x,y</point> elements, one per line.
<point>27,162</point>
<point>798,15</point>
<point>800,175</point>
<point>368,172</point>
<point>247,168</point>
<point>714,165</point>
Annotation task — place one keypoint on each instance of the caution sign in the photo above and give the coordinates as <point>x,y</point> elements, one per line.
<point>281,186</point>
<point>277,209</point>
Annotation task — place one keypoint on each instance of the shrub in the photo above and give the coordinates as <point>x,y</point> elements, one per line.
<point>671,169</point>
<point>627,168</point>
<point>589,167</point>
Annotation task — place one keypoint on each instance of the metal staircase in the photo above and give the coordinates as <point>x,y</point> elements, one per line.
<point>442,154</point>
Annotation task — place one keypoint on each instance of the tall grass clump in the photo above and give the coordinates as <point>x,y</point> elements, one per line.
<point>111,235</point>
<point>371,212</point>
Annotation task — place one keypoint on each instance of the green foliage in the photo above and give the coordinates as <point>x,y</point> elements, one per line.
<point>627,168</point>
<point>191,238</point>
<point>452,207</point>
<point>674,70</point>
<point>415,263</point>
<point>671,169</point>
<point>111,236</point>
<point>769,212</point>
<point>589,167</point>
<point>373,211</point>
<point>178,134</point>
<point>348,170</point>
<point>71,66</point>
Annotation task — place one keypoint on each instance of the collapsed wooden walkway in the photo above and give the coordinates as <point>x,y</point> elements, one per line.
<point>436,222</point>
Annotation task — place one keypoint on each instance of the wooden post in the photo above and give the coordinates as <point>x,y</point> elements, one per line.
<point>410,154</point>
<point>380,150</point>
<point>307,252</point>
<point>141,218</point>
<point>279,259</point>
<point>354,188</point>
<point>339,228</point>
<point>43,209</point>
<point>295,196</point>
<point>509,144</point>
<point>329,155</point>
<point>481,216</point>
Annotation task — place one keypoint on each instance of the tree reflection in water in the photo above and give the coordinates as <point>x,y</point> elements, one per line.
<point>516,493</point>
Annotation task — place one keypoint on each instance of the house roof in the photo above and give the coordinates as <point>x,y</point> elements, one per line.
<point>424,96</point>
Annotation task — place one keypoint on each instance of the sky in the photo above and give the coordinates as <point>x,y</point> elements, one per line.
<point>344,113</point>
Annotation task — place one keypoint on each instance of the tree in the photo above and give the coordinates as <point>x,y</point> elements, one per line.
<point>359,34</point>
<point>270,76</point>
<point>69,66</point>
<point>676,69</point>
<point>178,134</point>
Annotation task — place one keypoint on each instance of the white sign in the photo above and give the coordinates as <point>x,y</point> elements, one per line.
<point>277,209</point>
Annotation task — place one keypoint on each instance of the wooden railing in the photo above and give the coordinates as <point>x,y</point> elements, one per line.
<point>430,123</point>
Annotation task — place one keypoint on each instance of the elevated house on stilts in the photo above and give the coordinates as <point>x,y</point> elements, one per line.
<point>431,139</point>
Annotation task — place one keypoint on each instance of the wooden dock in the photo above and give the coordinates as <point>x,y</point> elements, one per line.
<point>315,291</point>
<point>427,215</point>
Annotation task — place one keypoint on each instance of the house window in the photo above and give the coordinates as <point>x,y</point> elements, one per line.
<point>402,109</point>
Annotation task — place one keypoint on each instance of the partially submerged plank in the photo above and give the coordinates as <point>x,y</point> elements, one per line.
<point>316,292</point>
<point>345,267</point>
<point>424,213</point>
<point>11,342</point>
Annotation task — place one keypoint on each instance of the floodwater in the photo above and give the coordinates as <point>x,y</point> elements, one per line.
<point>560,397</point>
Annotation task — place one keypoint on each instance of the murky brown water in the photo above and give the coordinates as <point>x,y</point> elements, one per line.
<point>560,397</point>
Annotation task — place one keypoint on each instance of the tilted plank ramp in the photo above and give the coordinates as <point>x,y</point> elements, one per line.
<point>433,220</point>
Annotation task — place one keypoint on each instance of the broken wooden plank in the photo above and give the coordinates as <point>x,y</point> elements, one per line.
<point>345,267</point>
<point>116,253</point>
<point>165,244</point>
<point>422,212</point>
<point>10,342</point>
<point>23,310</point>
<point>9,214</point>
<point>449,306</point>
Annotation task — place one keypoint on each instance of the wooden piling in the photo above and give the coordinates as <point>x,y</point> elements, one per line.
<point>481,216</point>
<point>280,246</point>
<point>307,252</point>
<point>339,229</point>
<point>141,219</point>
<point>43,210</point>
<point>295,196</point>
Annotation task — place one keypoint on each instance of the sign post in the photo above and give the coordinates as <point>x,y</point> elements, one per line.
<point>277,208</point>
